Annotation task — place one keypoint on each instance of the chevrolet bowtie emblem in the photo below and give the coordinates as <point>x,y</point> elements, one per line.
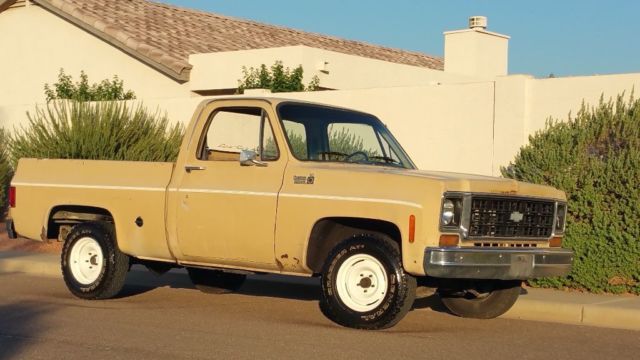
<point>516,216</point>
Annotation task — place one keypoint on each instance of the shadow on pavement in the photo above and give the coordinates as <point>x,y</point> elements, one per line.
<point>274,286</point>
<point>20,326</point>
<point>277,286</point>
<point>141,281</point>
<point>432,302</point>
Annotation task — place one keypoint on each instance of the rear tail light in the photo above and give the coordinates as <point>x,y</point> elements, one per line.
<point>12,196</point>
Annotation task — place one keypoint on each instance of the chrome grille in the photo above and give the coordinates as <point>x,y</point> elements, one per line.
<point>504,217</point>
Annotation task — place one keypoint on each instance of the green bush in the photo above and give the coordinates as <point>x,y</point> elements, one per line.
<point>105,90</point>
<point>6,171</point>
<point>595,159</point>
<point>277,79</point>
<point>97,131</point>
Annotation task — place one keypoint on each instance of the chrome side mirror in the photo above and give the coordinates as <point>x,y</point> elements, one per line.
<point>248,158</point>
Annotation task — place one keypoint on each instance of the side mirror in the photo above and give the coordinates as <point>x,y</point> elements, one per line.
<point>248,158</point>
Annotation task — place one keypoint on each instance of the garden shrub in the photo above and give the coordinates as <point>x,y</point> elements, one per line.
<point>595,159</point>
<point>6,171</point>
<point>277,79</point>
<point>105,90</point>
<point>97,131</point>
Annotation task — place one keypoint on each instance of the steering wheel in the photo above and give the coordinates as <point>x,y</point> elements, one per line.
<point>361,153</point>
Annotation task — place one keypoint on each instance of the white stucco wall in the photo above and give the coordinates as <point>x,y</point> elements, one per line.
<point>556,97</point>
<point>335,70</point>
<point>474,127</point>
<point>465,127</point>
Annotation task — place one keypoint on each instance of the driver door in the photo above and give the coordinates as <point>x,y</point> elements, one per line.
<point>226,210</point>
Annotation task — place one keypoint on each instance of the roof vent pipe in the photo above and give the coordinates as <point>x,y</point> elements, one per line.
<point>478,23</point>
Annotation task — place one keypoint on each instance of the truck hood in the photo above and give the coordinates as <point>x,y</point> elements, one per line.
<point>450,181</point>
<point>484,184</point>
<point>488,184</point>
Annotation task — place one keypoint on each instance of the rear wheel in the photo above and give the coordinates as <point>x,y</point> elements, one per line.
<point>480,299</point>
<point>364,285</point>
<point>215,281</point>
<point>92,266</point>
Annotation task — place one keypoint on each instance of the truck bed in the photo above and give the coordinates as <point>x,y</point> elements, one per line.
<point>131,190</point>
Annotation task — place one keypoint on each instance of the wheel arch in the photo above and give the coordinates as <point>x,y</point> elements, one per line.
<point>69,215</point>
<point>328,232</point>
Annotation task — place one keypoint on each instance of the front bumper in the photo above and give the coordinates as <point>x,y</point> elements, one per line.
<point>502,264</point>
<point>11,229</point>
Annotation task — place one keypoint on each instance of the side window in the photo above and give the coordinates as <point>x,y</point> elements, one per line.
<point>297,135</point>
<point>232,130</point>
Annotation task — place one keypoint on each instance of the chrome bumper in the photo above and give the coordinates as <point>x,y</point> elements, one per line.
<point>503,264</point>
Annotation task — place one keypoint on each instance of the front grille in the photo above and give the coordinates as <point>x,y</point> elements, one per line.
<point>511,218</point>
<point>519,244</point>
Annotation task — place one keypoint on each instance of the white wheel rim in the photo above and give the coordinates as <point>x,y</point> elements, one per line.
<point>86,260</point>
<point>362,282</point>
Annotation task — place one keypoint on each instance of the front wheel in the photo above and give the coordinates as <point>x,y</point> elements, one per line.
<point>480,299</point>
<point>364,285</point>
<point>92,266</point>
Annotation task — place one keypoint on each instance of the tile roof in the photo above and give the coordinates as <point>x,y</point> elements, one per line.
<point>4,4</point>
<point>164,36</point>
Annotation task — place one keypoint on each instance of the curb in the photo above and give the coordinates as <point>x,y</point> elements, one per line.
<point>617,312</point>
<point>44,265</point>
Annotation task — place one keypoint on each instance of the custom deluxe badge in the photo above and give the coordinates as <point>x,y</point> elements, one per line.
<point>304,180</point>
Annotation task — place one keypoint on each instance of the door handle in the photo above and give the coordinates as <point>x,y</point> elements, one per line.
<point>190,168</point>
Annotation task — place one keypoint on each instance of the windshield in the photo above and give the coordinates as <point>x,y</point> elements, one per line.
<point>318,133</point>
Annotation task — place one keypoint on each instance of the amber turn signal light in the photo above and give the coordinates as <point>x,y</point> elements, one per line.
<point>449,240</point>
<point>555,242</point>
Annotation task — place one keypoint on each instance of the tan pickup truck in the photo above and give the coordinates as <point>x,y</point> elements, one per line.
<point>266,185</point>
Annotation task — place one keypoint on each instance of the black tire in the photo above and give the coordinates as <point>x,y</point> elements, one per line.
<point>215,281</point>
<point>112,272</point>
<point>480,299</point>
<point>391,307</point>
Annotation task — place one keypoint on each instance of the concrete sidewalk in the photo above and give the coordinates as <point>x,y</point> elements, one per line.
<point>612,311</point>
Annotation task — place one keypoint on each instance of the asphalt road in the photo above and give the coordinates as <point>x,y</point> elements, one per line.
<point>272,318</point>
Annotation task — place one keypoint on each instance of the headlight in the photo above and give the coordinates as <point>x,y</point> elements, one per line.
<point>561,218</point>
<point>451,212</point>
<point>448,208</point>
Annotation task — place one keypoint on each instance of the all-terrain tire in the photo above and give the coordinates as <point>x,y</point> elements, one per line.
<point>215,281</point>
<point>352,301</point>
<point>93,243</point>
<point>499,296</point>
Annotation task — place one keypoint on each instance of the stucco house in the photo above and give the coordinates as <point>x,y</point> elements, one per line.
<point>166,51</point>
<point>172,57</point>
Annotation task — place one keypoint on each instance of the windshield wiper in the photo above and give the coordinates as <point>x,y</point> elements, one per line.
<point>332,153</point>
<point>386,159</point>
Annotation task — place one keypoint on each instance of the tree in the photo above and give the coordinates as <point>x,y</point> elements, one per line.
<point>277,79</point>
<point>595,159</point>
<point>105,90</point>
